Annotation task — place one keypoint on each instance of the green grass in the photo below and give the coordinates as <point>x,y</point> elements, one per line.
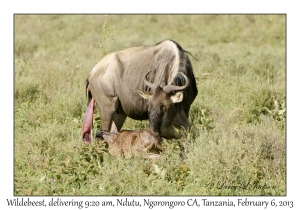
<point>237,145</point>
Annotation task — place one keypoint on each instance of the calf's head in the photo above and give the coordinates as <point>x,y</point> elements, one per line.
<point>161,106</point>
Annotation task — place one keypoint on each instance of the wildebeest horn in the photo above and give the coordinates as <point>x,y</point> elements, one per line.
<point>149,84</point>
<point>170,88</point>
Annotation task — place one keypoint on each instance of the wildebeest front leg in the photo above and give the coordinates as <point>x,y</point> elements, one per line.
<point>107,107</point>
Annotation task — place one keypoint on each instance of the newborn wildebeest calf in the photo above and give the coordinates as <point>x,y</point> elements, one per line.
<point>130,143</point>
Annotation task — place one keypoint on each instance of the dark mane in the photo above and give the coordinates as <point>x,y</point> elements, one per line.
<point>186,67</point>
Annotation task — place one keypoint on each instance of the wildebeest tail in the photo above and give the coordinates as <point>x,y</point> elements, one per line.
<point>88,91</point>
<point>88,117</point>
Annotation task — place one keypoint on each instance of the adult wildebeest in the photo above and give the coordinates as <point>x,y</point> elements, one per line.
<point>147,82</point>
<point>130,143</point>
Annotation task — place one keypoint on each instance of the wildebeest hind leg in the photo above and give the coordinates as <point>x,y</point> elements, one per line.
<point>107,106</point>
<point>118,120</point>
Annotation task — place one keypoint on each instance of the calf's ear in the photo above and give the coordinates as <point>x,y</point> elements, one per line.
<point>144,94</point>
<point>177,97</point>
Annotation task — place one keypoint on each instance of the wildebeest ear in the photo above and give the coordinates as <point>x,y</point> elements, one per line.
<point>177,97</point>
<point>144,94</point>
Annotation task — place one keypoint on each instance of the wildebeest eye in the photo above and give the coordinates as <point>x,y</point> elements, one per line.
<point>172,93</point>
<point>162,107</point>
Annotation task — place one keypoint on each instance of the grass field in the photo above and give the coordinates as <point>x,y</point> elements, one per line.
<point>237,145</point>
